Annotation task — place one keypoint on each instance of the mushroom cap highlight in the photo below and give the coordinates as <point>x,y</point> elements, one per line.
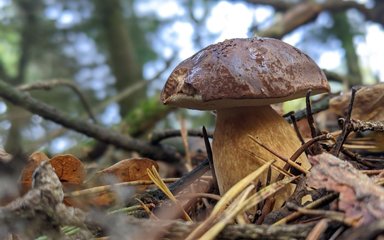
<point>243,72</point>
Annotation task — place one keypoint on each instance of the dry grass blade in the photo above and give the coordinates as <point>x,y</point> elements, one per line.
<point>225,200</point>
<point>155,177</point>
<point>99,189</point>
<point>184,137</point>
<point>249,203</point>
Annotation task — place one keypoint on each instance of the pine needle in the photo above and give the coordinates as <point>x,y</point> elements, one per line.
<point>249,203</point>
<point>155,177</point>
<point>226,199</point>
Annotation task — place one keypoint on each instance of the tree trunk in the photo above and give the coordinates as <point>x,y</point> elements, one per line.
<point>122,59</point>
<point>345,32</point>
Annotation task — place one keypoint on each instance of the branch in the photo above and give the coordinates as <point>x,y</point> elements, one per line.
<point>277,5</point>
<point>305,12</point>
<point>24,100</point>
<point>47,85</point>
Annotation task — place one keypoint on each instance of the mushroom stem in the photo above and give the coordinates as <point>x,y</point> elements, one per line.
<point>232,145</point>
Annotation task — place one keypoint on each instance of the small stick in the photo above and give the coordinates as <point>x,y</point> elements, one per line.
<point>201,195</point>
<point>346,126</point>
<point>362,126</point>
<point>372,172</point>
<point>294,122</point>
<point>288,161</point>
<point>318,230</point>
<point>210,158</point>
<point>356,157</point>
<point>309,143</point>
<point>311,121</point>
<point>334,215</point>
<point>312,205</point>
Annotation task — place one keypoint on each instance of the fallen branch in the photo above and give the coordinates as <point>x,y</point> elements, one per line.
<point>362,126</point>
<point>46,111</point>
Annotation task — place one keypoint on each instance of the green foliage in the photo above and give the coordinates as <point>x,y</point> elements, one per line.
<point>144,117</point>
<point>8,48</point>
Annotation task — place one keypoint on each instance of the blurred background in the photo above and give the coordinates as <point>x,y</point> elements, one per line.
<point>119,53</point>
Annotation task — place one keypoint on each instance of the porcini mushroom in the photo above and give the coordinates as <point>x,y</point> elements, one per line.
<point>240,78</point>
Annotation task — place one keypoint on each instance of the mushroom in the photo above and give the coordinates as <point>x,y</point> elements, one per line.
<point>240,78</point>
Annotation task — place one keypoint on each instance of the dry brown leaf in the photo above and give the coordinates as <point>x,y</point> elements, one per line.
<point>360,198</point>
<point>68,168</point>
<point>126,170</point>
<point>34,161</point>
<point>130,169</point>
<point>368,104</point>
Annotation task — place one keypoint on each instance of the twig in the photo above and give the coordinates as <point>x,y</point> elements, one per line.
<point>362,126</point>
<point>346,126</point>
<point>160,136</point>
<point>334,215</point>
<point>317,107</point>
<point>48,85</point>
<point>309,143</point>
<point>318,230</point>
<point>294,122</point>
<point>311,121</point>
<point>288,161</point>
<point>210,158</point>
<point>102,134</point>
<point>323,200</point>
<point>356,157</point>
<point>368,231</point>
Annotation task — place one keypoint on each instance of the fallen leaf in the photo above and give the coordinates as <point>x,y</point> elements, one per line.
<point>368,104</point>
<point>34,161</point>
<point>130,169</point>
<point>126,170</point>
<point>360,198</point>
<point>68,168</point>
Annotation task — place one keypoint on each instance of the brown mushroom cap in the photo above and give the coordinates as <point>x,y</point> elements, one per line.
<point>243,72</point>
